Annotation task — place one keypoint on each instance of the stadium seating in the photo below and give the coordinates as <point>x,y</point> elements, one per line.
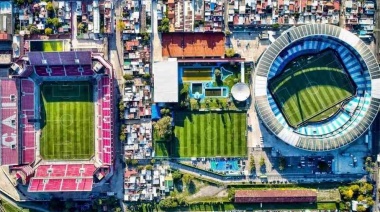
<point>9,122</point>
<point>57,71</point>
<point>58,185</point>
<point>27,130</point>
<point>62,177</point>
<point>104,92</point>
<point>61,63</point>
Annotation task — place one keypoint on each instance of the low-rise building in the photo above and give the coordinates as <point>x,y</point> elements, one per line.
<point>147,184</point>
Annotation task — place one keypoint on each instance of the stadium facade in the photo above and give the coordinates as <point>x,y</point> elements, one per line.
<point>356,114</point>
<point>21,117</point>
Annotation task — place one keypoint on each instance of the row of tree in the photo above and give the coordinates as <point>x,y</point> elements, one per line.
<point>361,192</point>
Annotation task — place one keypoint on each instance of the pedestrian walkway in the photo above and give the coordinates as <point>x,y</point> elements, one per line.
<point>157,47</point>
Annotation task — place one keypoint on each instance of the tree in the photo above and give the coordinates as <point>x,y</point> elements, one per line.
<point>55,22</point>
<point>128,76</point>
<point>361,208</point>
<point>348,194</point>
<point>366,188</point>
<point>149,167</point>
<point>369,201</point>
<point>120,25</point>
<point>163,127</point>
<point>164,27</point>
<point>121,106</point>
<point>354,188</point>
<point>230,52</point>
<point>122,136</point>
<point>131,162</point>
<point>360,198</point>
<point>187,178</point>
<point>168,203</point>
<point>134,162</point>
<point>145,36</point>
<point>49,7</point>
<point>177,175</point>
<point>153,161</point>
<point>185,89</point>
<point>217,72</point>
<point>82,27</point>
<point>252,164</point>
<point>48,31</point>
<point>165,111</point>
<point>262,162</point>
<point>282,163</point>
<point>231,194</point>
<point>146,76</point>
<point>33,29</point>
<point>275,25</point>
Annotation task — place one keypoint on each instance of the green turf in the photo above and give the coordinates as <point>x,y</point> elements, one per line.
<point>209,134</point>
<point>46,46</point>
<point>68,120</point>
<point>198,74</point>
<point>310,88</point>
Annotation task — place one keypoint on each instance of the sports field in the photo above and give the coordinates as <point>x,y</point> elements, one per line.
<point>209,134</point>
<point>311,88</point>
<point>198,74</point>
<point>68,120</point>
<point>46,46</point>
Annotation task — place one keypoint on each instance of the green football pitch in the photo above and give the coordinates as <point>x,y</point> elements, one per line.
<point>67,120</point>
<point>47,46</point>
<point>209,134</point>
<point>311,88</point>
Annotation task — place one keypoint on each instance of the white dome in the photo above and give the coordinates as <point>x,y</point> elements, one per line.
<point>240,91</point>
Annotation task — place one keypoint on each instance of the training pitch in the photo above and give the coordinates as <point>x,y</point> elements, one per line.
<point>67,120</point>
<point>46,46</point>
<point>209,134</point>
<point>311,88</point>
<point>197,74</point>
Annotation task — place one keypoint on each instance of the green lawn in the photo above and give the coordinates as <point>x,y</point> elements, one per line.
<point>256,207</point>
<point>46,46</point>
<point>309,91</point>
<point>68,120</point>
<point>8,207</point>
<point>209,134</point>
<point>197,74</point>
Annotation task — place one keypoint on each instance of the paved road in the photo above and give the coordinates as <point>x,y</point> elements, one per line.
<point>116,58</point>
<point>294,178</point>
<point>157,48</point>
<point>377,29</point>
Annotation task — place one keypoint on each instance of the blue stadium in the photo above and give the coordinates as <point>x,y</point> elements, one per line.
<point>356,115</point>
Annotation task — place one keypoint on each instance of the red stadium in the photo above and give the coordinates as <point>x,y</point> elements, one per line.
<point>20,145</point>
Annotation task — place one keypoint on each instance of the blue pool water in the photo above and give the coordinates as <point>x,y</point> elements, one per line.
<point>222,165</point>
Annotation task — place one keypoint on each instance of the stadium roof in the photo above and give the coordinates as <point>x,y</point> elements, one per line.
<point>59,58</point>
<point>240,91</point>
<point>275,196</point>
<point>355,126</point>
<point>199,45</point>
<point>165,76</point>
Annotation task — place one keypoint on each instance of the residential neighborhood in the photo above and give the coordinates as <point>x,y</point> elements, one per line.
<point>189,105</point>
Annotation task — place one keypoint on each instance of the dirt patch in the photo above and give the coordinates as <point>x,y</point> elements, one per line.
<point>208,191</point>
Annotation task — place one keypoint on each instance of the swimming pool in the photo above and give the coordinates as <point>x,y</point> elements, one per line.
<point>224,165</point>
